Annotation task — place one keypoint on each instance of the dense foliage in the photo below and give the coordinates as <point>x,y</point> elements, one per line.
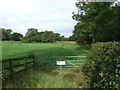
<point>97,22</point>
<point>103,65</point>
<point>71,38</point>
<point>8,35</point>
<point>33,35</point>
<point>16,36</point>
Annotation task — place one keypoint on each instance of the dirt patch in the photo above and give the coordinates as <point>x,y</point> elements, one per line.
<point>69,76</point>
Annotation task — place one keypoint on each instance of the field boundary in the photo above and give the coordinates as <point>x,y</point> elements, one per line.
<point>52,64</point>
<point>25,64</point>
<point>34,58</point>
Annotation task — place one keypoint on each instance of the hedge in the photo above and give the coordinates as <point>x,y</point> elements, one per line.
<point>102,66</point>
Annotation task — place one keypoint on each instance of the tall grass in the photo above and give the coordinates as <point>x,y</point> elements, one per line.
<point>48,79</point>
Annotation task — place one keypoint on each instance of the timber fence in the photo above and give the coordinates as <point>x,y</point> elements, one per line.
<point>11,66</point>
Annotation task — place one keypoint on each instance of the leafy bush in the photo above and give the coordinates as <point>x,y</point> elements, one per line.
<point>103,65</point>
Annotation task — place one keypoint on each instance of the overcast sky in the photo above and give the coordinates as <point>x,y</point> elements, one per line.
<point>56,15</point>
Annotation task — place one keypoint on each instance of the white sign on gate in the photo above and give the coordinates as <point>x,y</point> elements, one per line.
<point>60,62</point>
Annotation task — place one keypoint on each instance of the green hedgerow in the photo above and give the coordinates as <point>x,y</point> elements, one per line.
<point>103,65</point>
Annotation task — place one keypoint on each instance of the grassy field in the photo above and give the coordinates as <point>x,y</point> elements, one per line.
<point>13,50</point>
<point>39,78</point>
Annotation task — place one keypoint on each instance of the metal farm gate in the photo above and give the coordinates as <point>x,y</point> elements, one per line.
<point>60,62</point>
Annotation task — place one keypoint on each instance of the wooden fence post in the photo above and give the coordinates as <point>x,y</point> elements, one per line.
<point>11,68</point>
<point>33,61</point>
<point>26,63</point>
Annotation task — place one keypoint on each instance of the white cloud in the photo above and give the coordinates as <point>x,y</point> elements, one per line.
<point>56,15</point>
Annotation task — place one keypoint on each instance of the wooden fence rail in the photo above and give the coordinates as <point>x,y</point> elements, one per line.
<point>25,64</point>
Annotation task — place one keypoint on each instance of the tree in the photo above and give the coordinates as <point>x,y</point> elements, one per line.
<point>57,36</point>
<point>31,32</point>
<point>97,21</point>
<point>33,35</point>
<point>71,38</point>
<point>81,34</point>
<point>16,36</point>
<point>6,34</point>
<point>47,37</point>
<point>44,37</point>
<point>3,33</point>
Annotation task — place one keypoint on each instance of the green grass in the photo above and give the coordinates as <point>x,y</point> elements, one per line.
<point>44,78</point>
<point>49,79</point>
<point>13,50</point>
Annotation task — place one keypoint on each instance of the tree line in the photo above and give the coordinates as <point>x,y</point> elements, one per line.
<point>97,22</point>
<point>33,35</point>
<point>7,35</point>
